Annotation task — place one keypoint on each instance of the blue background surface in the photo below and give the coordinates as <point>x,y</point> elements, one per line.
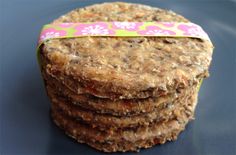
<point>25,125</point>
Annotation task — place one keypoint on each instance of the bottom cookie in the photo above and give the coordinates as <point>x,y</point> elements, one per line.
<point>124,139</point>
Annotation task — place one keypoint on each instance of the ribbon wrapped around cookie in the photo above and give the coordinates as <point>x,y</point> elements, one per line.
<point>121,29</point>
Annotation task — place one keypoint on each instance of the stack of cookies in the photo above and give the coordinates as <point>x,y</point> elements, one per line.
<point>123,93</point>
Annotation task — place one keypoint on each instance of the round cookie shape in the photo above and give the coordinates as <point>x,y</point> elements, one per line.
<point>126,67</point>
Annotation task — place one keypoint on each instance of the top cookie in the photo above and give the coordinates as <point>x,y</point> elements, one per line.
<point>126,67</point>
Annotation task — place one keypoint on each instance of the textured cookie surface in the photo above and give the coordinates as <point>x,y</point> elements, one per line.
<point>113,67</point>
<point>109,121</point>
<point>128,139</point>
<point>127,107</point>
<point>105,121</point>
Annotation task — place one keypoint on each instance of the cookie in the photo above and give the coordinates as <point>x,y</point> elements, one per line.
<point>105,121</point>
<point>128,107</point>
<point>126,67</point>
<point>125,139</point>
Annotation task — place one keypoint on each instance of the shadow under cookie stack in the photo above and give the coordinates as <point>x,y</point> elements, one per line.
<point>123,94</point>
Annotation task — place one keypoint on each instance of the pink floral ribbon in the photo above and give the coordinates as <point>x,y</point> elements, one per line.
<point>122,29</point>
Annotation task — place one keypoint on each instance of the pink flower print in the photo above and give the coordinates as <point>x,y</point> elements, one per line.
<point>156,31</point>
<point>131,26</point>
<point>98,28</point>
<point>51,33</point>
<point>192,30</point>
